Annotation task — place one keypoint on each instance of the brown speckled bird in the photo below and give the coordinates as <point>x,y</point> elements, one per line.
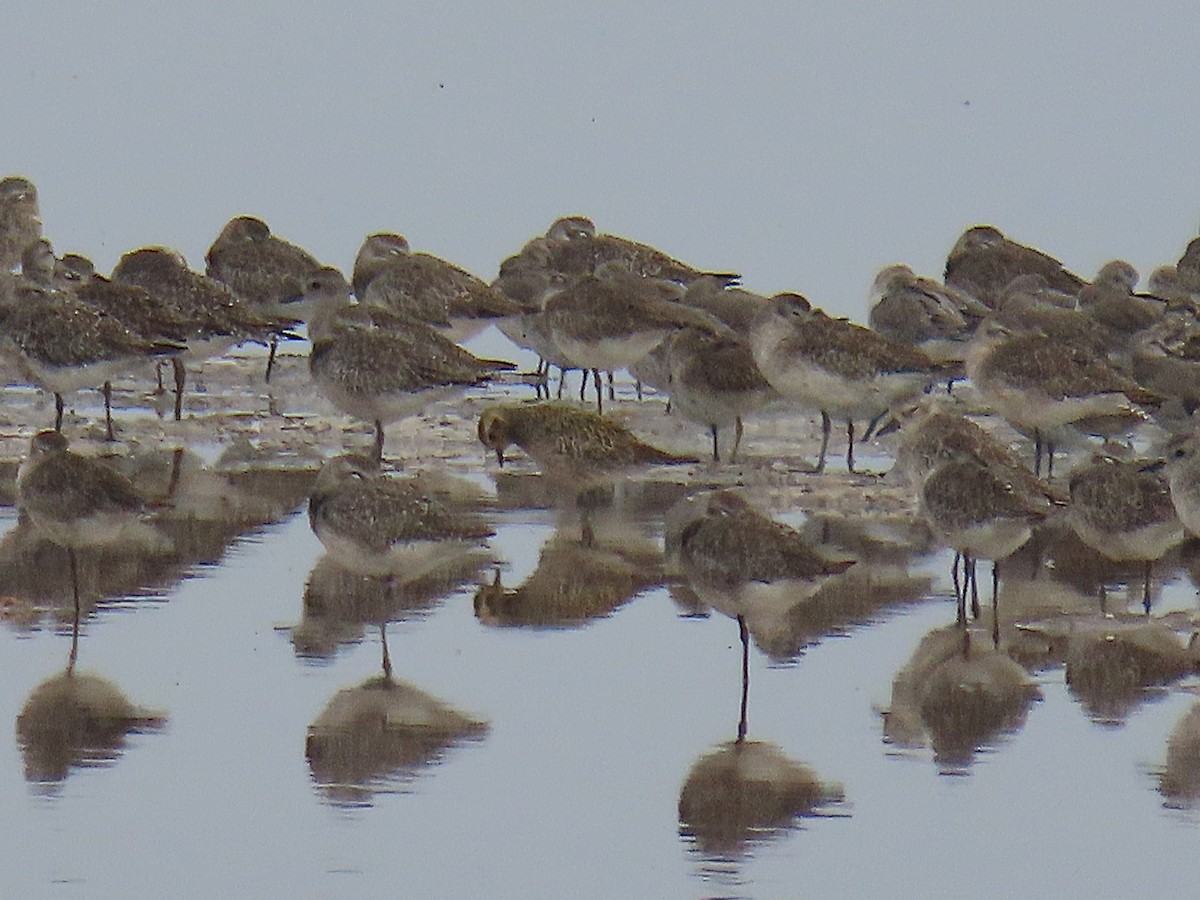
<point>568,441</point>
<point>387,274</point>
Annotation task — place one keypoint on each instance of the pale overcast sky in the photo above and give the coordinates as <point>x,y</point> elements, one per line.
<point>805,145</point>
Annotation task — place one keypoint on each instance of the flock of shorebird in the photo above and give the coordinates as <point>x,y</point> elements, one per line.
<point>1055,357</point>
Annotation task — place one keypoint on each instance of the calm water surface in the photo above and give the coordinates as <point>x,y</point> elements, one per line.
<point>572,786</point>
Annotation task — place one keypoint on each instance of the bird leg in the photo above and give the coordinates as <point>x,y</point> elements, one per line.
<point>850,446</point>
<point>107,391</point>
<point>737,438</point>
<point>975,589</point>
<point>75,620</point>
<point>825,426</point>
<point>271,356</point>
<point>1146,588</point>
<point>716,455</point>
<point>744,633</point>
<point>872,425</point>
<point>958,589</point>
<point>180,378</point>
<point>387,660</point>
<point>995,605</point>
<point>58,411</point>
<point>379,440</point>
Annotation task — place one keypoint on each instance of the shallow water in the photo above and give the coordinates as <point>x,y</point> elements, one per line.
<point>573,784</point>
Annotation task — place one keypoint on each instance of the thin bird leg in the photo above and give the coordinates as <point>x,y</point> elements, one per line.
<point>958,591</point>
<point>637,386</point>
<point>1037,453</point>
<point>872,425</point>
<point>995,605</point>
<point>158,367</point>
<point>271,356</point>
<point>975,589</point>
<point>180,379</point>
<point>716,455</point>
<point>107,391</point>
<point>744,633</point>
<point>825,427</point>
<point>850,446</point>
<point>75,621</point>
<point>599,390</point>
<point>1146,588</point>
<point>562,378</point>
<point>378,440</point>
<point>58,411</point>
<point>961,617</point>
<point>387,659</point>
<point>612,391</point>
<point>737,438</point>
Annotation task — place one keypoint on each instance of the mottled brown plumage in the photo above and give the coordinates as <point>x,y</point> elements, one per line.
<point>567,440</point>
<point>388,275</point>
<point>984,261</point>
<point>265,270</point>
<point>728,544</point>
<point>576,249</point>
<point>714,381</point>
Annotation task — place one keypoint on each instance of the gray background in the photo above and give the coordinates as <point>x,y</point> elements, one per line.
<point>806,145</point>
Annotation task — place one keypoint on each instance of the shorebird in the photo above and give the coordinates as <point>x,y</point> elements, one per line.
<point>376,374</point>
<point>1123,510</point>
<point>64,344</point>
<point>376,525</point>
<point>983,262</point>
<point>217,317</point>
<point>77,502</point>
<point>20,220</point>
<point>611,321</point>
<point>1111,300</point>
<point>935,433</point>
<point>389,275</point>
<point>714,381</point>
<point>835,366</point>
<point>267,271</point>
<point>734,307</point>
<point>1041,385</point>
<point>1023,307</point>
<point>567,442</point>
<point>984,511</point>
<point>922,313</point>
<point>742,563</point>
<point>132,305</point>
<point>576,249</point>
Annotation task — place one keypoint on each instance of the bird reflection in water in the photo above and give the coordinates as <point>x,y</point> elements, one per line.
<point>575,583</point>
<point>378,736</point>
<point>77,720</point>
<point>339,602</point>
<point>1179,780</point>
<point>958,697</point>
<point>1114,666</point>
